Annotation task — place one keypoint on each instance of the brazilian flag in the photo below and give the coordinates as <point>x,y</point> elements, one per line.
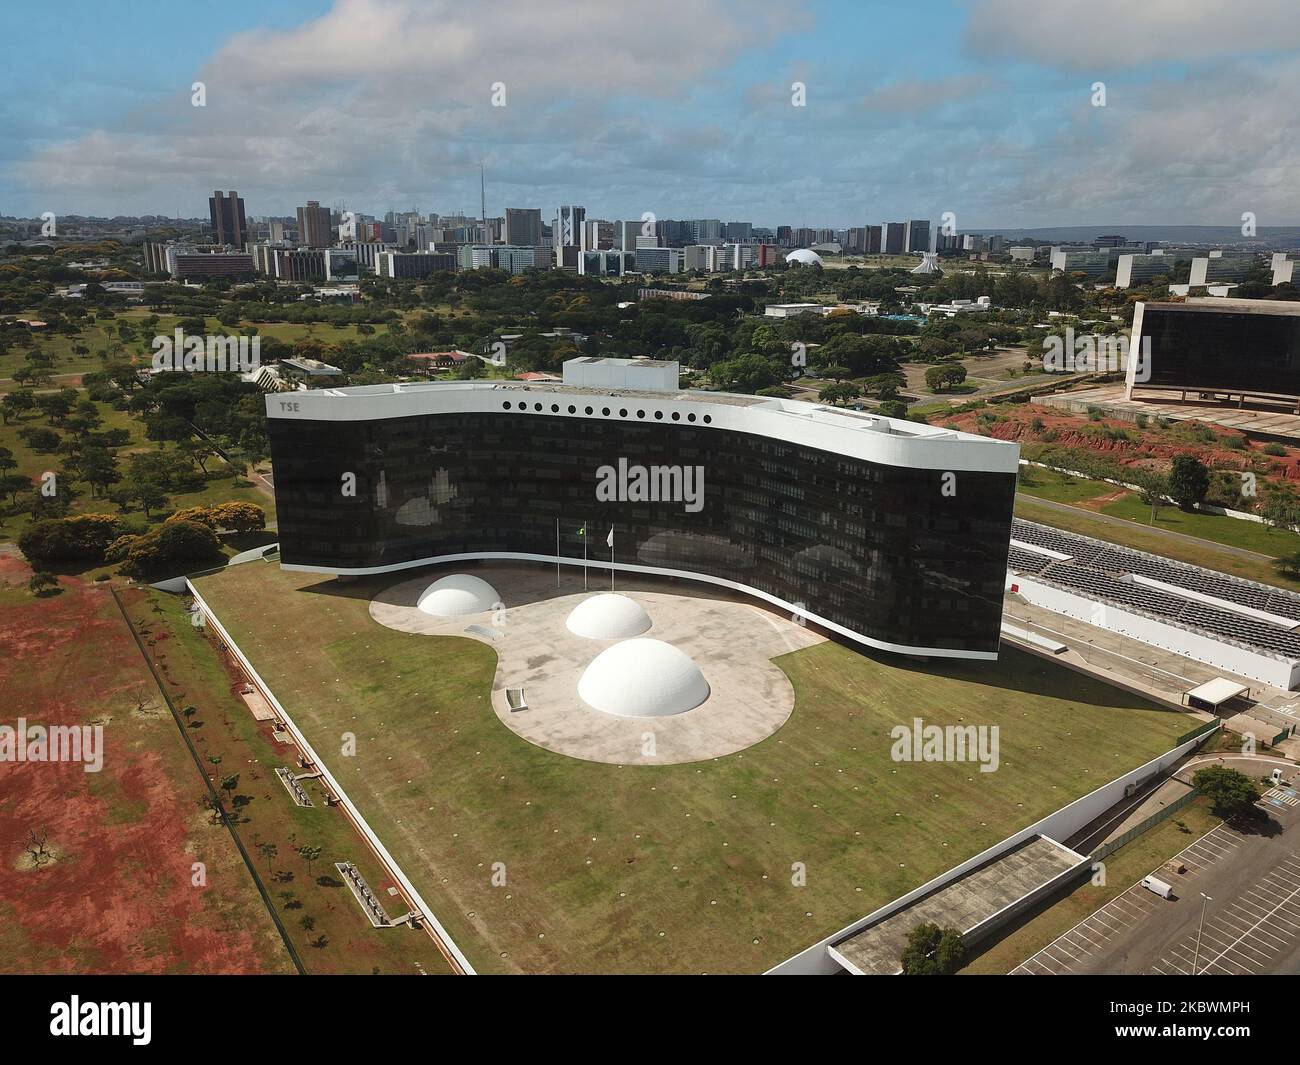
<point>582,531</point>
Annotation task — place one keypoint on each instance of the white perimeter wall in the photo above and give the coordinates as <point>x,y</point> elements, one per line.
<point>342,795</point>
<point>816,960</point>
<point>1245,663</point>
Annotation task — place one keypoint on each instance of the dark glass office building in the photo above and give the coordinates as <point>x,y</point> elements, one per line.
<point>906,553</point>
<point>1235,347</point>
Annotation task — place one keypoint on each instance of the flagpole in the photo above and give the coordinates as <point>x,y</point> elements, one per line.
<point>584,556</point>
<point>557,552</point>
<point>611,559</point>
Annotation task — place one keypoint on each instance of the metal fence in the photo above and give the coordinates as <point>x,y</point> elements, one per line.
<point>1107,849</point>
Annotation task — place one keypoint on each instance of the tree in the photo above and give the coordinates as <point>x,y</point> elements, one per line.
<point>945,376</point>
<point>932,951</point>
<point>41,583</point>
<point>1189,480</point>
<point>309,854</point>
<point>1151,489</point>
<point>1281,509</point>
<point>839,394</point>
<point>13,483</point>
<point>1230,791</point>
<point>16,403</point>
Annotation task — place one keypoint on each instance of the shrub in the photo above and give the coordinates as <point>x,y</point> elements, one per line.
<point>80,538</point>
<point>1275,449</point>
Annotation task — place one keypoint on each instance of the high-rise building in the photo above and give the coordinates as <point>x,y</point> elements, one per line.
<point>228,226</point>
<point>893,238</point>
<point>567,232</point>
<point>314,225</point>
<point>523,226</point>
<point>625,234</point>
<point>918,235</point>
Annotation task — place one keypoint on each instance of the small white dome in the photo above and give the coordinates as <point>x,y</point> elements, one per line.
<point>804,257</point>
<point>643,678</point>
<point>608,616</point>
<point>457,594</point>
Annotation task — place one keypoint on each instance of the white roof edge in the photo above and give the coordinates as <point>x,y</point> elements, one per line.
<point>870,437</point>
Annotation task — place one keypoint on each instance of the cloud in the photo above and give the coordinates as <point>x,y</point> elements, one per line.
<point>914,95</point>
<point>1206,146</point>
<point>380,101</point>
<point>1115,34</point>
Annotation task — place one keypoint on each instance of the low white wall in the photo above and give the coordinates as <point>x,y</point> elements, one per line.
<point>337,788</point>
<point>1277,672</point>
<point>816,961</point>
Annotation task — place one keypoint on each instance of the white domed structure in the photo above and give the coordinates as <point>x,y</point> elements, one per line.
<point>643,678</point>
<point>608,616</point>
<point>457,594</point>
<point>803,257</point>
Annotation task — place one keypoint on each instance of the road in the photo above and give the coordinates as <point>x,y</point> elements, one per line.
<point>1252,920</point>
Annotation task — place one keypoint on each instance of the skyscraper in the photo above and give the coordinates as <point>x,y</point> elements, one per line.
<point>918,235</point>
<point>568,227</point>
<point>227,211</point>
<point>893,238</point>
<point>523,226</point>
<point>314,225</point>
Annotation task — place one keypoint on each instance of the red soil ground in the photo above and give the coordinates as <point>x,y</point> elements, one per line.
<point>1152,444</point>
<point>119,896</point>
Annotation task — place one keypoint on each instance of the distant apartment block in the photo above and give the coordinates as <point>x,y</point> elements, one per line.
<point>893,238</point>
<point>658,260</point>
<point>1206,269</point>
<point>523,226</point>
<point>227,214</point>
<point>1136,268</point>
<point>413,264</point>
<point>211,266</point>
<point>314,230</point>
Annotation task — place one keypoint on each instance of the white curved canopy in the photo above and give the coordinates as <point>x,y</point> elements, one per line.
<point>804,257</point>
<point>608,616</point>
<point>457,594</point>
<point>643,678</point>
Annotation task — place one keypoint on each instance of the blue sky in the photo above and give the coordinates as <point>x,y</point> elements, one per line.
<point>980,107</point>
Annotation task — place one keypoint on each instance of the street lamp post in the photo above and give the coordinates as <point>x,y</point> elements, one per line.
<point>1196,956</point>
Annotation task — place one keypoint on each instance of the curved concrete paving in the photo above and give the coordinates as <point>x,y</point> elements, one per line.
<point>732,639</point>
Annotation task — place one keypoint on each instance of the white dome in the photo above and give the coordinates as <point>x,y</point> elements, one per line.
<point>608,616</point>
<point>457,594</point>
<point>643,678</point>
<point>804,257</point>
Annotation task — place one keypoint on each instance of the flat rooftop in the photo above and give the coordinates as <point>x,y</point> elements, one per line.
<point>963,904</point>
<point>1231,610</point>
<point>1236,306</point>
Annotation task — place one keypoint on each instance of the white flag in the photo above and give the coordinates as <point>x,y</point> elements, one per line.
<point>609,540</point>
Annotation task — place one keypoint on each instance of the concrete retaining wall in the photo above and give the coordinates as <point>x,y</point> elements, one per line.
<point>353,813</point>
<point>815,961</point>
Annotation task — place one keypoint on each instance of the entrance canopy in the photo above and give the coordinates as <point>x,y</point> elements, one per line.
<point>1213,694</point>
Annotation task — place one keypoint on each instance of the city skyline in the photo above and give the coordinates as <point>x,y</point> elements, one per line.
<point>985,108</point>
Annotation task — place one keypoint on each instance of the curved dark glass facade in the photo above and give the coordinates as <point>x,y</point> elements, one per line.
<point>878,549</point>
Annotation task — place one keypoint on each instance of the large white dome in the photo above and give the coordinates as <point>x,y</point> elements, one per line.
<point>804,257</point>
<point>608,616</point>
<point>457,594</point>
<point>643,678</point>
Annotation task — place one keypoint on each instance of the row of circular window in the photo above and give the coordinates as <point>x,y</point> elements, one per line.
<point>555,409</point>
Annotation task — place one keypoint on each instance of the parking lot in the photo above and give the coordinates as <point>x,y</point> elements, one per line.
<point>1252,920</point>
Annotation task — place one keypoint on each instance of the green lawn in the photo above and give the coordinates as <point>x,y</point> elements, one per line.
<point>1060,487</point>
<point>676,868</point>
<point>1081,521</point>
<point>33,464</point>
<point>1250,535</point>
<point>100,336</point>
